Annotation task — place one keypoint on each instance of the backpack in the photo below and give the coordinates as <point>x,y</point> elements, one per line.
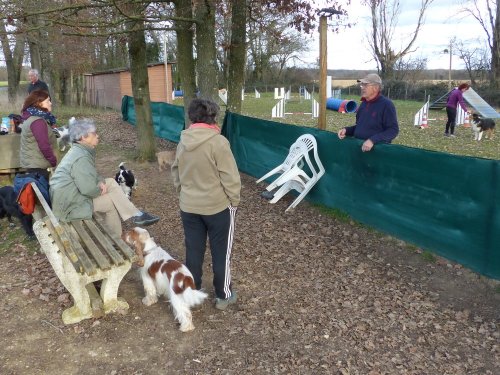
<point>26,199</point>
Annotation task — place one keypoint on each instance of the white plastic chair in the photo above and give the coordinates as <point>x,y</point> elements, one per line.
<point>294,155</point>
<point>294,177</point>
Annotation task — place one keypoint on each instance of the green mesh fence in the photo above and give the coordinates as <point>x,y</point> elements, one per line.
<point>168,119</point>
<point>444,203</point>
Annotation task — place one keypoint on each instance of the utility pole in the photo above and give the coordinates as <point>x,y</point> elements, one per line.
<point>446,50</point>
<point>323,57</point>
<point>449,72</point>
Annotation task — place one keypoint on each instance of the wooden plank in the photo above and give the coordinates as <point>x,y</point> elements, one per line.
<point>75,246</point>
<point>122,245</point>
<point>105,242</point>
<point>92,248</point>
<point>74,261</point>
<point>127,251</point>
<point>56,226</point>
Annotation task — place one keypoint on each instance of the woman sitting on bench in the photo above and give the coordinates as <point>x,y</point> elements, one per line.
<point>77,191</point>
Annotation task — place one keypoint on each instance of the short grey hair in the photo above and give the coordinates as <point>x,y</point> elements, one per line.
<point>81,128</point>
<point>33,71</point>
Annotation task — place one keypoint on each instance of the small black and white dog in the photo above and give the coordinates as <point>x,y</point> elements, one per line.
<point>480,125</point>
<point>9,208</point>
<point>62,135</point>
<point>126,179</point>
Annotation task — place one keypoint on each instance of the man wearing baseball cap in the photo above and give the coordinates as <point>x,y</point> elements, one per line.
<point>376,119</point>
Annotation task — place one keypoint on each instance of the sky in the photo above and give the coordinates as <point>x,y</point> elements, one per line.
<point>348,49</point>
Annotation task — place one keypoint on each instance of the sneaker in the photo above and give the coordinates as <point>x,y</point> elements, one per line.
<point>446,135</point>
<point>222,304</point>
<point>145,219</point>
<point>452,135</point>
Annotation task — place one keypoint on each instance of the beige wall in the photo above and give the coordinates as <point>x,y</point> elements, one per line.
<point>157,87</point>
<point>107,89</point>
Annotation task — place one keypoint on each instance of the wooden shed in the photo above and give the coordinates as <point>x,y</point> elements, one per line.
<point>106,89</point>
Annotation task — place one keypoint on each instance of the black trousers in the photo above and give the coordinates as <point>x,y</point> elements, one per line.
<point>452,116</point>
<point>220,230</point>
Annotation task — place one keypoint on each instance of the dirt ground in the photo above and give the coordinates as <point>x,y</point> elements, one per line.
<point>316,296</point>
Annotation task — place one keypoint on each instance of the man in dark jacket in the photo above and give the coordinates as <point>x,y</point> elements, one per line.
<point>376,119</point>
<point>35,83</point>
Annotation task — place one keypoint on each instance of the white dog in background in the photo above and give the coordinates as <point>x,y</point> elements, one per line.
<point>163,275</point>
<point>62,135</point>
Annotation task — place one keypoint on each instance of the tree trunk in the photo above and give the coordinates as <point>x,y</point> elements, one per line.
<point>237,54</point>
<point>140,89</point>
<point>186,65</point>
<point>206,61</point>
<point>495,50</point>
<point>13,62</point>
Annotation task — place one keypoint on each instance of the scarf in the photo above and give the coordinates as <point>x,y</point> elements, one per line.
<point>47,116</point>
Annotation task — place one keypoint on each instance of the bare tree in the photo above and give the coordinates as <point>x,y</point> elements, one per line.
<point>237,55</point>
<point>410,69</point>
<point>384,16</point>
<point>206,61</point>
<point>476,59</point>
<point>490,22</point>
<point>13,51</point>
<point>186,64</point>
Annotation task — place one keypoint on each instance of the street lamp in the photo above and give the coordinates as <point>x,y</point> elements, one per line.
<point>324,14</point>
<point>449,70</point>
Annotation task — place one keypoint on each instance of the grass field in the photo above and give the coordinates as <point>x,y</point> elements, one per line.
<point>431,138</point>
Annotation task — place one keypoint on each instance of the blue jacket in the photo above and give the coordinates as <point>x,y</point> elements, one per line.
<point>375,120</point>
<point>22,179</point>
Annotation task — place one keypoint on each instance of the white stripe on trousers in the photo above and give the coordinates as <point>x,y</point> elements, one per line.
<point>227,273</point>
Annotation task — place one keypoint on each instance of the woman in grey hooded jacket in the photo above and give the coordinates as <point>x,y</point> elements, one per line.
<point>208,183</point>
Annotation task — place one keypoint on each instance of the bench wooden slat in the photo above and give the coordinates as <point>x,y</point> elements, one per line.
<point>73,259</point>
<point>126,250</point>
<point>87,264</point>
<point>105,243</point>
<point>56,226</point>
<point>98,256</point>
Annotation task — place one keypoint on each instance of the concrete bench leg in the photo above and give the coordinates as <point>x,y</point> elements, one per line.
<point>72,281</point>
<point>109,289</point>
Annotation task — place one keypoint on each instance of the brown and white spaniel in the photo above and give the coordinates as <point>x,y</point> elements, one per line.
<point>163,275</point>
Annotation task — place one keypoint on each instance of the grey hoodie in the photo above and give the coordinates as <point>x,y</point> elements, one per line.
<point>205,173</point>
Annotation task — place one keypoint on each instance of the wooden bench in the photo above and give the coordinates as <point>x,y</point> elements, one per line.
<point>82,252</point>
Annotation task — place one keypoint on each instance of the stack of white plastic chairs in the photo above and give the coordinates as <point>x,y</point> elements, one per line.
<point>292,175</point>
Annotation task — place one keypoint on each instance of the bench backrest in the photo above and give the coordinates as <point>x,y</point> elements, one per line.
<point>88,244</point>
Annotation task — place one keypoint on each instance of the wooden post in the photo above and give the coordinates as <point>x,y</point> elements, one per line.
<point>322,72</point>
<point>168,87</point>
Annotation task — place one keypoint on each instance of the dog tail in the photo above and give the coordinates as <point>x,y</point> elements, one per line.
<point>122,166</point>
<point>194,297</point>
<point>183,285</point>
